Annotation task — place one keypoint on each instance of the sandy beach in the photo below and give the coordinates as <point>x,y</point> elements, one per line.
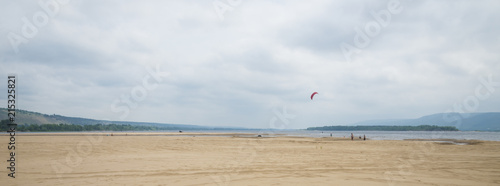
<point>243,159</point>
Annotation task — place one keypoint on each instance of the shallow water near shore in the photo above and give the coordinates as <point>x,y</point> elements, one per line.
<point>371,135</point>
<point>402,135</point>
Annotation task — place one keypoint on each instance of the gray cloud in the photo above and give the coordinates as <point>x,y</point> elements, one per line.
<point>263,55</point>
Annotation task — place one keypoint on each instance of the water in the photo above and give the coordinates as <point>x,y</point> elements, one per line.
<point>372,135</point>
<point>401,135</point>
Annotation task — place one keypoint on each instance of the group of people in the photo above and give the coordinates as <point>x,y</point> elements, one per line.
<point>352,137</point>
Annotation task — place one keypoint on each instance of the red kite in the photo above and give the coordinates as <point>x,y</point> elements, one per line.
<point>312,95</point>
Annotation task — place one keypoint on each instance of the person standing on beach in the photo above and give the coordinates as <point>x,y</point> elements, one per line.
<point>364,137</point>
<point>352,137</point>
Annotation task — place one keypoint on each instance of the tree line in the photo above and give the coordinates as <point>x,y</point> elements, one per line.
<point>77,128</point>
<point>386,128</point>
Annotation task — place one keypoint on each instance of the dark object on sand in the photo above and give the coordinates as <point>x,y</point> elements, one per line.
<point>180,131</point>
<point>359,137</point>
<point>352,136</point>
<point>259,136</point>
<point>364,137</point>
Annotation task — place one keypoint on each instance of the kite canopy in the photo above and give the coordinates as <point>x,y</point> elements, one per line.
<point>312,95</point>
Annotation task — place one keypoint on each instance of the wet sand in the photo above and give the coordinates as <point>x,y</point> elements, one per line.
<point>242,159</point>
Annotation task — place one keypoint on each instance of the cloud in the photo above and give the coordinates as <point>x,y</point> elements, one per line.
<point>264,55</point>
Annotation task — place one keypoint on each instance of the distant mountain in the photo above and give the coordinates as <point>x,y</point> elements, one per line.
<point>28,117</point>
<point>471,121</point>
<point>489,121</point>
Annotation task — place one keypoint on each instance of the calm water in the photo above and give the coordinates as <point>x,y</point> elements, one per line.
<point>373,135</point>
<point>377,135</point>
<point>401,135</point>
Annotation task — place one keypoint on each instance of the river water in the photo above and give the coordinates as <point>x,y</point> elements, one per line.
<point>401,135</point>
<point>375,135</point>
<point>372,135</point>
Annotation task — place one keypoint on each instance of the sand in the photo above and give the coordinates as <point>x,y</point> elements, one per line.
<point>192,159</point>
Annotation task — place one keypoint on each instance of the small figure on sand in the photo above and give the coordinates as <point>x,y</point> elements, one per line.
<point>330,134</point>
<point>364,137</point>
<point>352,136</point>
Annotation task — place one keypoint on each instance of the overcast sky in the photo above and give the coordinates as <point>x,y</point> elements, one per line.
<point>242,63</point>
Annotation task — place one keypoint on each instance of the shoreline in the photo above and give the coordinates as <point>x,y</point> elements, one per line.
<point>237,135</point>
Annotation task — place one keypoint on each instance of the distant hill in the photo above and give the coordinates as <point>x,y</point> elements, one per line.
<point>489,121</point>
<point>28,117</point>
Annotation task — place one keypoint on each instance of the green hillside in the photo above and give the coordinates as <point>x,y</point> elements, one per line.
<point>27,117</point>
<point>24,117</point>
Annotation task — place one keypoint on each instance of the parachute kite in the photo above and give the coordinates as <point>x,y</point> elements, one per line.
<point>312,95</point>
